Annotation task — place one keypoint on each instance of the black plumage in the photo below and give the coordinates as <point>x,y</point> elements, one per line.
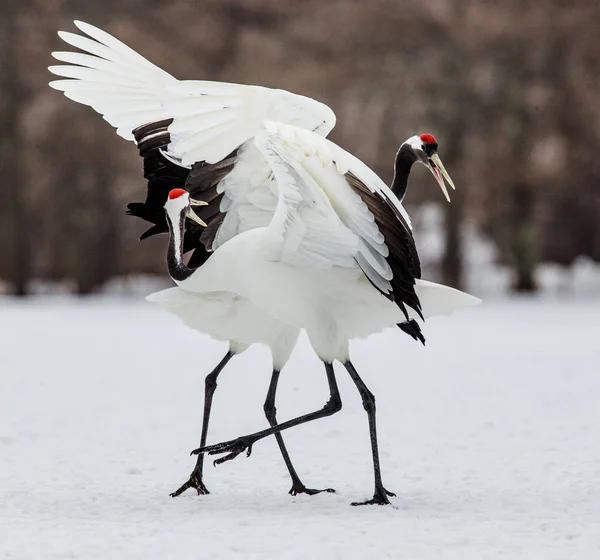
<point>405,158</point>
<point>412,328</point>
<point>403,257</point>
<point>163,175</point>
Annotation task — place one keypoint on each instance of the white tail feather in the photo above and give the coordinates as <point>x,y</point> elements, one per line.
<point>437,299</point>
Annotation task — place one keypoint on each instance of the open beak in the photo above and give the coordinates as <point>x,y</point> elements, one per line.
<point>195,218</point>
<point>195,202</point>
<point>439,172</point>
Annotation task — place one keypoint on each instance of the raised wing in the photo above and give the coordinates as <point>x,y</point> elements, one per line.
<point>192,134</point>
<point>239,190</point>
<point>209,119</point>
<point>332,211</point>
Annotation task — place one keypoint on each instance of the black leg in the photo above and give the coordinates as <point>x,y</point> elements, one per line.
<point>244,443</point>
<point>271,414</point>
<point>210,384</point>
<point>368,399</point>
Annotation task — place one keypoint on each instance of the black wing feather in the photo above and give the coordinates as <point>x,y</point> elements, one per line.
<point>163,175</point>
<point>403,257</point>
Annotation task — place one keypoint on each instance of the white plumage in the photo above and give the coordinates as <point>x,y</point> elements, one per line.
<point>229,318</point>
<point>211,119</point>
<point>304,268</point>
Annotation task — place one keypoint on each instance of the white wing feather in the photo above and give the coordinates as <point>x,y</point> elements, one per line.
<point>305,230</point>
<point>319,220</point>
<point>210,119</point>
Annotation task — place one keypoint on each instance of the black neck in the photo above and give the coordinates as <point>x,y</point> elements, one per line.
<point>178,271</point>
<point>404,160</point>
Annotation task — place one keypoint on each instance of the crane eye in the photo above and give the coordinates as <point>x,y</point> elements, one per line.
<point>429,149</point>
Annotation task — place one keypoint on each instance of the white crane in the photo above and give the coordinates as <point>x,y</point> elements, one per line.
<point>336,245</point>
<point>303,233</point>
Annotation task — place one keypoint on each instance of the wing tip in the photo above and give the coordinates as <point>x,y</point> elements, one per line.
<point>84,27</point>
<point>54,84</point>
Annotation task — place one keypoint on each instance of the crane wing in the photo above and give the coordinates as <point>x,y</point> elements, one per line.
<point>239,189</point>
<point>209,120</point>
<point>195,135</point>
<point>305,230</point>
<point>332,210</point>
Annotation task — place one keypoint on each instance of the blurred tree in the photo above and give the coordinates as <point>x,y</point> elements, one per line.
<point>523,238</point>
<point>16,244</point>
<point>518,79</point>
<point>453,102</point>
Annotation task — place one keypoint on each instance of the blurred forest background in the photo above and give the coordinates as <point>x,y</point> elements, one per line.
<point>510,88</point>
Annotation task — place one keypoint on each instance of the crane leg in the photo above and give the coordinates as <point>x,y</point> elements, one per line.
<point>380,495</point>
<point>244,443</point>
<point>210,384</point>
<point>271,412</point>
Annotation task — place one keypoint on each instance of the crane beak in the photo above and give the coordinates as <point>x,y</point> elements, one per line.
<point>195,202</point>
<point>439,172</point>
<point>195,218</point>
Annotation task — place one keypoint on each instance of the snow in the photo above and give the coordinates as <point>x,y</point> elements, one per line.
<point>489,436</point>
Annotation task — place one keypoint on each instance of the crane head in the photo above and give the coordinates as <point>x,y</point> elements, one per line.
<point>179,202</point>
<point>425,148</point>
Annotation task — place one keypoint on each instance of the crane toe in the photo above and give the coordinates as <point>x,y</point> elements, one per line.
<point>301,489</point>
<point>380,498</point>
<point>195,482</point>
<point>233,448</point>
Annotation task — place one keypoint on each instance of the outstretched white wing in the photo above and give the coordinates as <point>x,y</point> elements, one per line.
<point>209,119</point>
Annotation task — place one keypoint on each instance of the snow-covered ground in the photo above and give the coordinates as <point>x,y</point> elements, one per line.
<point>490,437</point>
